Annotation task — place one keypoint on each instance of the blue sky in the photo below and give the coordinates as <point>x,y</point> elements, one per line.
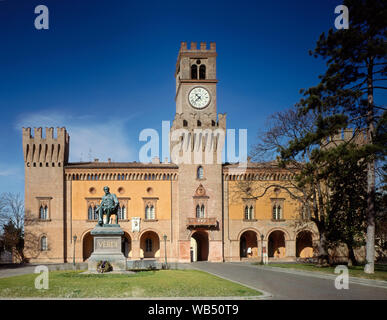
<point>105,69</point>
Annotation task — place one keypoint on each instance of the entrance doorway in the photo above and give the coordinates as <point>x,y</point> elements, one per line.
<point>87,246</point>
<point>199,246</point>
<point>304,245</point>
<point>126,246</point>
<point>277,244</point>
<point>150,245</point>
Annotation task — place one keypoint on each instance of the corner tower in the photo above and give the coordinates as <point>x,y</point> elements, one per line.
<point>197,138</point>
<point>44,161</point>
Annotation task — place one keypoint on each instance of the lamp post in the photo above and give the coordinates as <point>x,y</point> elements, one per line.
<point>75,239</point>
<point>261,248</point>
<point>165,247</point>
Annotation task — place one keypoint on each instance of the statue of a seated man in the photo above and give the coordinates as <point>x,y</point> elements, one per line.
<point>109,205</point>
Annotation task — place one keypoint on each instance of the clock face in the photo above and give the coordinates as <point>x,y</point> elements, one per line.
<point>199,97</point>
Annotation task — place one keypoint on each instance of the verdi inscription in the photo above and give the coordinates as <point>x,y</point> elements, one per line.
<point>107,243</point>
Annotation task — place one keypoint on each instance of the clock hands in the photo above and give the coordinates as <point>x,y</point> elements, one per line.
<point>199,97</point>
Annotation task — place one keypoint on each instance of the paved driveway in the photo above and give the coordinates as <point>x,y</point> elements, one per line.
<point>11,271</point>
<point>285,285</point>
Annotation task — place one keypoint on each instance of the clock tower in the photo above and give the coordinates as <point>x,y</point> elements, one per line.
<point>197,139</point>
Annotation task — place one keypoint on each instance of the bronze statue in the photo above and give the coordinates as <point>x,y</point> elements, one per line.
<point>109,205</point>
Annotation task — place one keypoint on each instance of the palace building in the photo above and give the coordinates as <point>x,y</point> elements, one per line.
<point>183,210</point>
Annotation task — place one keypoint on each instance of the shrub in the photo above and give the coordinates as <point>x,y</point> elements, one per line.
<point>104,266</point>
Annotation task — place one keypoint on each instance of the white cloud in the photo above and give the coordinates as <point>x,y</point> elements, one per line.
<point>90,137</point>
<point>9,172</point>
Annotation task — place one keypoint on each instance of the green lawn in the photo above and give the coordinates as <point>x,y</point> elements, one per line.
<point>356,271</point>
<point>163,283</point>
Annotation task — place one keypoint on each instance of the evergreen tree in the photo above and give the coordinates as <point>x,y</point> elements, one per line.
<point>345,96</point>
<point>346,210</point>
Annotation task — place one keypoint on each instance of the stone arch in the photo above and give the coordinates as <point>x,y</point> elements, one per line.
<point>287,235</point>
<point>87,245</point>
<point>149,244</point>
<point>127,245</point>
<point>276,244</point>
<point>248,229</point>
<point>249,243</point>
<point>304,243</point>
<point>315,235</point>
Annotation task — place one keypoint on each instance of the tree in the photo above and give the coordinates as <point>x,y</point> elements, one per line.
<point>307,184</point>
<point>12,222</point>
<point>13,239</point>
<point>12,208</point>
<point>347,201</point>
<point>345,96</point>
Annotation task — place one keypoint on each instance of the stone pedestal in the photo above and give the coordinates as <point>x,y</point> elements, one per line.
<point>107,247</point>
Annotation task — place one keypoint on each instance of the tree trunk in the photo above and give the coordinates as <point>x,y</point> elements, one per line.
<point>323,257</point>
<point>370,242</point>
<point>351,256</point>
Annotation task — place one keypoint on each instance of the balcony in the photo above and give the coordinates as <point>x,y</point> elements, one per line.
<point>202,223</point>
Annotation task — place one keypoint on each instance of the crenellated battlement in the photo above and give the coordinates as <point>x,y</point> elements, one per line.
<point>196,52</point>
<point>47,150</point>
<point>194,47</point>
<point>49,133</point>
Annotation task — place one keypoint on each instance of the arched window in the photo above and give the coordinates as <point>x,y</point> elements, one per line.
<point>90,213</point>
<point>249,212</point>
<point>202,72</point>
<point>41,213</point>
<point>43,243</point>
<point>149,212</point>
<point>197,211</point>
<point>194,71</point>
<point>95,213</point>
<point>199,123</point>
<point>185,123</point>
<point>202,211</point>
<point>200,172</point>
<point>121,213</point>
<point>148,245</point>
<point>277,212</point>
